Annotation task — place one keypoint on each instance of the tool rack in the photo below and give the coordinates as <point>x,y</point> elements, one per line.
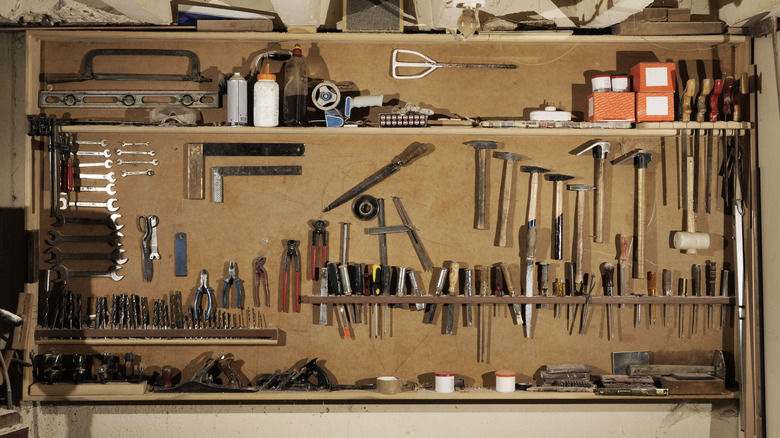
<point>258,215</point>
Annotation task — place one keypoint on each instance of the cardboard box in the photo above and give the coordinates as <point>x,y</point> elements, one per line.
<point>654,107</point>
<point>654,77</point>
<point>611,107</point>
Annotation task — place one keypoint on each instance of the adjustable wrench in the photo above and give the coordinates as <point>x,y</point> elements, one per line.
<point>108,205</point>
<point>57,238</point>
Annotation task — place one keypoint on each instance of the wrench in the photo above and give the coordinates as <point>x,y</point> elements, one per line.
<point>152,162</point>
<point>108,205</point>
<point>57,255</point>
<point>143,143</point>
<point>109,176</point>
<point>57,238</point>
<point>149,172</point>
<point>64,274</point>
<point>154,255</point>
<point>102,142</point>
<point>105,153</point>
<point>108,189</point>
<point>123,152</point>
<point>107,164</point>
<point>109,221</point>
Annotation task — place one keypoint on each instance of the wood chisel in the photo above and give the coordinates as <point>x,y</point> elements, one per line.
<point>710,274</point>
<point>682,290</point>
<point>483,273</point>
<point>323,293</point>
<point>431,312</point>
<point>498,286</point>
<point>623,259</point>
<point>510,288</point>
<point>651,286</point>
<point>468,290</point>
<point>334,284</point>
<point>415,288</point>
<point>696,286</point>
<point>609,286</point>
<point>543,279</point>
<point>453,292</point>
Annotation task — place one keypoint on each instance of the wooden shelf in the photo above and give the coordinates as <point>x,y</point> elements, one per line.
<point>100,393</point>
<point>594,300</point>
<point>157,337</point>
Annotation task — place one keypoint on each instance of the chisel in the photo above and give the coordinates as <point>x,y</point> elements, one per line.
<point>510,288</point>
<point>335,285</point>
<point>468,290</point>
<point>453,292</point>
<point>431,312</point>
<point>484,290</point>
<point>682,290</point>
<point>696,286</point>
<point>623,258</point>
<point>498,279</point>
<point>609,286</point>
<point>543,279</point>
<point>415,288</point>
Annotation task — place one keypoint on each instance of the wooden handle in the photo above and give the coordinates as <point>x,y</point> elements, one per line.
<point>479,214</point>
<point>484,280</point>
<point>454,269</point>
<point>578,237</point>
<point>715,99</point>
<point>411,153</point>
<point>727,84</point>
<point>599,219</point>
<point>623,247</point>
<point>689,219</point>
<point>557,250</point>
<point>689,93</point>
<point>701,103</point>
<point>639,266</point>
<point>507,279</point>
<point>532,197</point>
<point>506,198</point>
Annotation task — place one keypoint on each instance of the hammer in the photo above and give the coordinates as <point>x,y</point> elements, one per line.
<point>481,147</point>
<point>579,229</point>
<point>641,160</point>
<point>506,196</point>
<point>531,241</point>
<point>600,151</point>
<point>557,179</point>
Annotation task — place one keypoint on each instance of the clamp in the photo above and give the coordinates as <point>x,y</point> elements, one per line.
<point>319,230</point>
<point>232,278</point>
<point>292,253</point>
<point>203,289</point>
<point>261,275</point>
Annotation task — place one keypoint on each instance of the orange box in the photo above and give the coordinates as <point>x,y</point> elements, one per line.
<point>611,107</point>
<point>654,77</point>
<point>654,107</point>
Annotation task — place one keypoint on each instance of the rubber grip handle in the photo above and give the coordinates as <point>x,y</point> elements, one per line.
<point>284,292</point>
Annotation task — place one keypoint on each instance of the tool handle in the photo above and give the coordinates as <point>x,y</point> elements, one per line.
<point>506,199</point>
<point>484,280</point>
<point>710,276</point>
<point>715,100</point>
<point>696,280</point>
<point>530,245</point>
<point>297,291</point>
<point>651,287</point>
<point>454,270</point>
<point>376,280</point>
<point>507,279</point>
<point>479,215</point>
<point>579,236</point>
<point>701,102</point>
<point>599,213</point>
<point>688,94</point>
<point>557,251</point>
<point>727,84</point>
<point>623,247</point>
<point>499,281</point>
<point>639,267</point>
<point>609,276</point>
<point>412,152</point>
<point>667,282</point>
<point>690,223</point>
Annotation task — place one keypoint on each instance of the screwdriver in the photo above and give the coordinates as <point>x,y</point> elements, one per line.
<point>376,290</point>
<point>484,290</point>
<point>609,287</point>
<point>558,290</point>
<point>498,276</point>
<point>709,276</point>
<point>696,285</point>
<point>651,292</point>
<point>682,290</point>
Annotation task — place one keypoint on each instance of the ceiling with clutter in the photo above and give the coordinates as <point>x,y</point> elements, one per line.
<point>418,15</point>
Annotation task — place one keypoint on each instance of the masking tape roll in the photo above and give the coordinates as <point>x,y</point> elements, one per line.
<point>388,385</point>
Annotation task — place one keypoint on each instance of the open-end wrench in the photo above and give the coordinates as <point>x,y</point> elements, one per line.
<point>64,274</point>
<point>102,142</point>
<point>57,255</point>
<point>108,177</point>
<point>124,152</point>
<point>148,172</point>
<point>104,153</point>
<point>108,205</point>
<point>109,188</point>
<point>109,221</point>
<point>57,238</point>
<point>142,143</point>
<point>107,164</point>
<point>154,162</point>
<point>155,254</point>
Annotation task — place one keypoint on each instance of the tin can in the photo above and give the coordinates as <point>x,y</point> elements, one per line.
<point>444,382</point>
<point>236,101</point>
<point>601,83</point>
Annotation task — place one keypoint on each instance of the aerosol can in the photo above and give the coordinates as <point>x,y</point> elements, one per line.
<point>237,100</point>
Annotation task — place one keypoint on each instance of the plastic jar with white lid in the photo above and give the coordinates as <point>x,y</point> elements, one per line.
<point>445,382</point>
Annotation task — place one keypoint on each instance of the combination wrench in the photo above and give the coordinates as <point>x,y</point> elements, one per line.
<point>104,153</point>
<point>64,274</point>
<point>109,189</point>
<point>108,177</point>
<point>124,152</point>
<point>102,142</point>
<point>57,256</point>
<point>108,205</point>
<point>148,172</point>
<point>107,164</point>
<point>57,238</point>
<point>154,162</point>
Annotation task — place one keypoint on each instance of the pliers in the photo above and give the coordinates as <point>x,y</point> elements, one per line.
<point>203,289</point>
<point>294,254</point>
<point>232,278</point>
<point>261,275</point>
<point>319,230</point>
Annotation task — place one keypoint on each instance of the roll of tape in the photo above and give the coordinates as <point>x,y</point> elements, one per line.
<point>388,385</point>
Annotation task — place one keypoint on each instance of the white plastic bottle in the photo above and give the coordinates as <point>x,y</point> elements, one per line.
<point>266,100</point>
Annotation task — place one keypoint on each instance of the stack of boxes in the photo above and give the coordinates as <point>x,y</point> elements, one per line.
<point>652,98</point>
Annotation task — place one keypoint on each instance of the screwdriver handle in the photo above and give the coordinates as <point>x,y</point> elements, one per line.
<point>609,276</point>
<point>510,288</point>
<point>499,281</point>
<point>484,280</point>
<point>667,282</point>
<point>651,287</point>
<point>623,247</point>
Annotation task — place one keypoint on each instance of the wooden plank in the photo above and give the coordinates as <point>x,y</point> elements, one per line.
<point>87,389</point>
<point>668,370</point>
<point>668,28</point>
<point>235,25</point>
<point>678,15</point>
<point>687,387</point>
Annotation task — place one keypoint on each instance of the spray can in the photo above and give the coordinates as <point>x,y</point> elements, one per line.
<point>266,100</point>
<point>236,101</point>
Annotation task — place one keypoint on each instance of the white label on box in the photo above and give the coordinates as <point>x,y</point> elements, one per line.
<point>590,106</point>
<point>657,105</point>
<point>656,77</point>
